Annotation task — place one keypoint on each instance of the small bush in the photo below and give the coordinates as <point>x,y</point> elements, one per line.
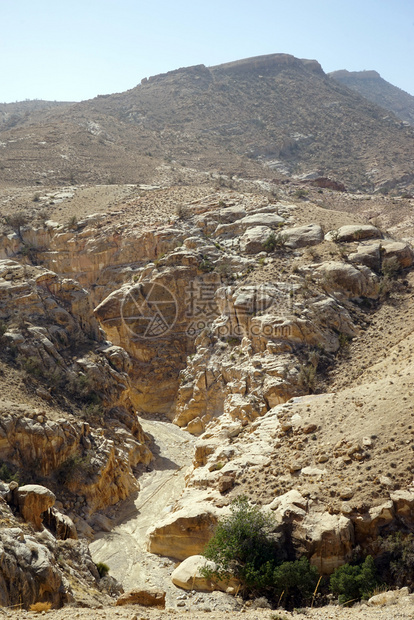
<point>73,223</point>
<point>75,467</point>
<point>395,562</point>
<point>233,341</point>
<point>242,546</point>
<point>295,582</point>
<point>32,366</point>
<point>103,569</point>
<point>351,583</point>
<point>205,265</point>
<point>92,411</point>
<point>274,242</point>
<point>343,340</point>
<point>245,546</point>
<point>40,607</point>
<point>386,286</point>
<point>300,193</point>
<point>390,267</point>
<point>225,268</point>
<point>308,372</point>
<point>17,221</point>
<point>6,474</point>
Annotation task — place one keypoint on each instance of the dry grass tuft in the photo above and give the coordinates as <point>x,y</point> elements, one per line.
<point>39,607</point>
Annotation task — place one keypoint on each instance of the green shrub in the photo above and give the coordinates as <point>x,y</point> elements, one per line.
<point>274,242</point>
<point>242,545</point>
<point>7,474</point>
<point>76,467</point>
<point>295,582</point>
<point>73,223</point>
<point>103,569</point>
<point>17,221</point>
<point>395,562</point>
<point>32,366</point>
<point>205,265</point>
<point>307,377</point>
<point>300,193</point>
<point>245,546</point>
<point>351,583</point>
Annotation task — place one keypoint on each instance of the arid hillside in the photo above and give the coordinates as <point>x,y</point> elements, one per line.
<point>291,382</point>
<point>266,117</point>
<point>206,290</point>
<point>373,87</point>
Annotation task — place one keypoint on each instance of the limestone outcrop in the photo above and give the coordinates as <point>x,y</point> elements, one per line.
<point>188,576</point>
<point>36,567</point>
<point>52,333</point>
<point>302,236</point>
<point>326,539</point>
<point>353,282</point>
<point>33,500</point>
<point>355,232</point>
<point>183,533</point>
<point>258,326</point>
<point>218,320</point>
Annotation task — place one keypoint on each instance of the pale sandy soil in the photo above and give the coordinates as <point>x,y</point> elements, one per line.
<point>401,611</point>
<point>123,549</point>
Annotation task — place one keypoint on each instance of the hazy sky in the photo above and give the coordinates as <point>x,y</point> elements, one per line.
<point>73,50</point>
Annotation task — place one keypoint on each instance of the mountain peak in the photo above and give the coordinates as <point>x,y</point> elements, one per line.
<point>373,87</point>
<point>268,63</point>
<point>360,75</point>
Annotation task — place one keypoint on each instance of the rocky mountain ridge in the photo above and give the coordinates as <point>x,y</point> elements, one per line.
<point>183,117</point>
<point>373,87</point>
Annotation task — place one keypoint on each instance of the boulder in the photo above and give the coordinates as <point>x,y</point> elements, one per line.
<point>28,571</point>
<point>373,255</point>
<point>404,506</point>
<point>301,236</point>
<point>187,576</point>
<point>253,239</point>
<point>150,597</point>
<point>354,232</point>
<point>101,523</point>
<point>342,277</point>
<point>61,526</point>
<point>289,506</point>
<point>368,255</point>
<point>228,215</point>
<point>226,483</point>
<point>195,426</point>
<point>257,220</point>
<point>183,533</point>
<point>262,219</point>
<point>33,500</point>
<point>400,250</point>
<point>326,539</point>
<point>370,524</point>
<point>388,598</point>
